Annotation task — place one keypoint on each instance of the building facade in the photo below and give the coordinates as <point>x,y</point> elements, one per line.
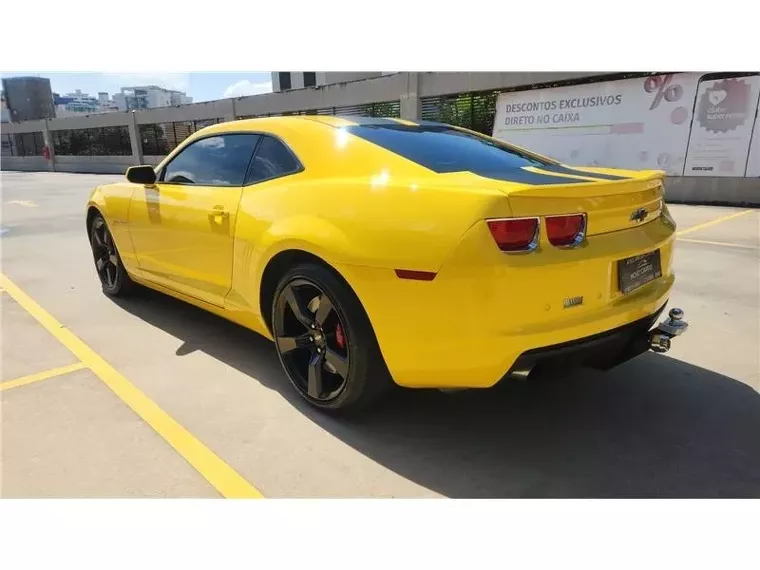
<point>75,103</point>
<point>78,103</point>
<point>5,115</point>
<point>28,98</point>
<point>149,97</point>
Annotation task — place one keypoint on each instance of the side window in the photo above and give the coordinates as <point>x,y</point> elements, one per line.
<point>273,159</point>
<point>215,161</point>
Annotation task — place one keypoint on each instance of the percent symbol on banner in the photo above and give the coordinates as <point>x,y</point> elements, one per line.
<point>661,84</point>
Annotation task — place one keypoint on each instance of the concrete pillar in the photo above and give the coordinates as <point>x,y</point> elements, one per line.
<point>231,115</point>
<point>296,79</point>
<point>47,137</point>
<point>134,139</point>
<point>410,101</point>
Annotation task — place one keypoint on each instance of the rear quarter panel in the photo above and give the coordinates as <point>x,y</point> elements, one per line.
<point>372,223</point>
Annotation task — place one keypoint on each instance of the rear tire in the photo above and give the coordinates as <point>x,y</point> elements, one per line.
<point>113,277</point>
<point>325,341</point>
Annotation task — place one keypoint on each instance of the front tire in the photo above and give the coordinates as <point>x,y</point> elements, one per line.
<point>113,277</point>
<point>325,341</point>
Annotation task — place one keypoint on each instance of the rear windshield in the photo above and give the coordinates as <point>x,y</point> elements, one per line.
<point>444,149</point>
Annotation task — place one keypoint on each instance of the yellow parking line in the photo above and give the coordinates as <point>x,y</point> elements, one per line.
<point>52,373</point>
<point>211,467</point>
<point>743,246</point>
<point>713,222</point>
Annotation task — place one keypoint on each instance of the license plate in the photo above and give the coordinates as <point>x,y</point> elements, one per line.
<point>634,272</point>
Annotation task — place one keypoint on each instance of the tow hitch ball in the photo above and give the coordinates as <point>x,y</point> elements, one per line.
<point>674,325</point>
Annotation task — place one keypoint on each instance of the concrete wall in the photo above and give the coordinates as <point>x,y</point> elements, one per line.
<point>431,84</point>
<point>224,109</point>
<point>83,164</point>
<point>152,160</point>
<point>330,77</point>
<point>24,163</point>
<point>25,127</point>
<point>713,190</point>
<point>93,164</point>
<point>79,122</point>
<point>89,121</point>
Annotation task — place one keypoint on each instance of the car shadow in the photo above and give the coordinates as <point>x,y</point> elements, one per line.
<point>653,427</point>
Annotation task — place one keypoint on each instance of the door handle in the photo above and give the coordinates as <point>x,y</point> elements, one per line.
<point>219,211</point>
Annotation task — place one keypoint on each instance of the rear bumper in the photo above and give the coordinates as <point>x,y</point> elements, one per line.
<point>601,351</point>
<point>484,310</point>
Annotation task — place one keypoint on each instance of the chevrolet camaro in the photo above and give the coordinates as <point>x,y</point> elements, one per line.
<point>380,252</point>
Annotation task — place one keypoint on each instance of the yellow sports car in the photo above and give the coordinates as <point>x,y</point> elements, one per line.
<point>381,251</point>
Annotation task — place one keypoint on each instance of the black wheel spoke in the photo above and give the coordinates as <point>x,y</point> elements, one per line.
<point>289,343</point>
<point>110,279</point>
<point>324,310</point>
<point>297,306</point>
<point>337,362</point>
<point>315,376</point>
<point>96,240</point>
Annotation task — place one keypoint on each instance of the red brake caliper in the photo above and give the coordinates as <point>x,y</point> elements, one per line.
<point>339,338</point>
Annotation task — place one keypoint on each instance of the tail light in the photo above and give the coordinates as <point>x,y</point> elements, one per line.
<point>515,234</point>
<point>567,230</point>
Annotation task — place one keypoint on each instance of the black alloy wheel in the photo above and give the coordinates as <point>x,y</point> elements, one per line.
<point>312,341</point>
<point>325,341</point>
<point>111,273</point>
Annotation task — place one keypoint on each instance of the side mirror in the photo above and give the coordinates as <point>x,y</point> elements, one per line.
<point>141,174</point>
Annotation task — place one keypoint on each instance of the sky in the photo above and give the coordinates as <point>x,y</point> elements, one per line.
<point>200,86</point>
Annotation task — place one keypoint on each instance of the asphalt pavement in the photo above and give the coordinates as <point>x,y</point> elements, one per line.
<point>150,397</point>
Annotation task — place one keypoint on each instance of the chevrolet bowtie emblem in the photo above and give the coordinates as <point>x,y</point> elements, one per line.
<point>639,215</point>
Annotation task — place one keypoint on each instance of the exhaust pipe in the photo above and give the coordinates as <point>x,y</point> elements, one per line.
<point>674,325</point>
<point>659,342</point>
<point>521,373</point>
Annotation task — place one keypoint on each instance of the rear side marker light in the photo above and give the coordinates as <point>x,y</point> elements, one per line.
<point>415,275</point>
<point>515,234</point>
<point>566,231</point>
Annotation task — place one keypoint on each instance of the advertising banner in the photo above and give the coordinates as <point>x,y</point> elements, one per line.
<point>640,123</point>
<point>722,126</point>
